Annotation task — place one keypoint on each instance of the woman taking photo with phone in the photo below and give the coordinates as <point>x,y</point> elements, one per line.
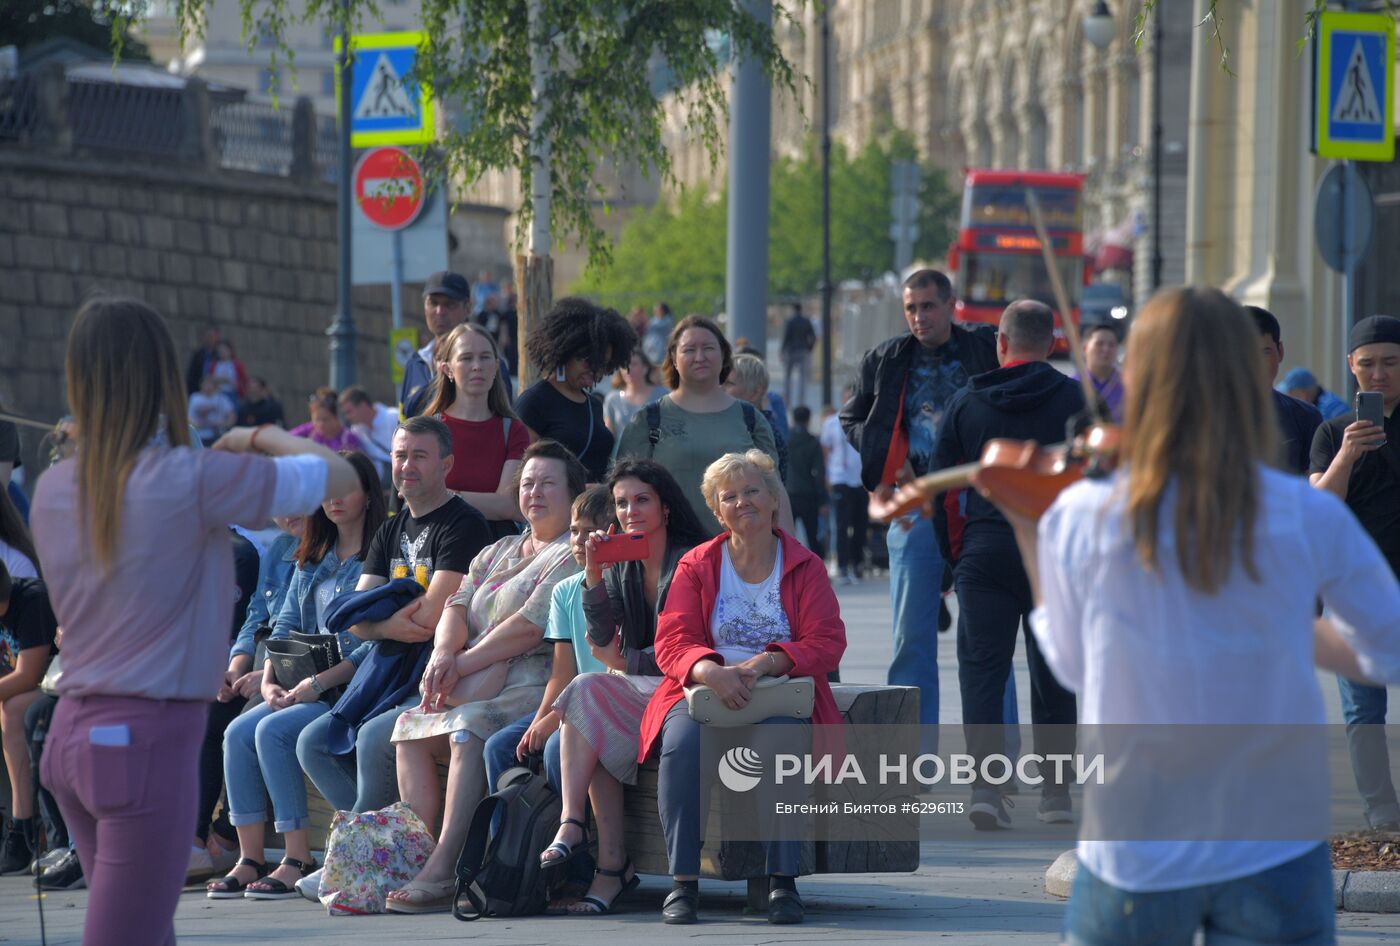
<point>601,713</point>
<point>132,535</point>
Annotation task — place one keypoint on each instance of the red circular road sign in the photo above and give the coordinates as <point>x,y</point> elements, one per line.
<point>388,187</point>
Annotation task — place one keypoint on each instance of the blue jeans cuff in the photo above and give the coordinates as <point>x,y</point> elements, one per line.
<point>291,824</point>
<point>238,819</point>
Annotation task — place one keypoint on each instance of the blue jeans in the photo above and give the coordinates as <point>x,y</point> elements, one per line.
<point>499,753</point>
<point>916,573</point>
<point>260,761</point>
<point>1363,708</point>
<point>1291,903</point>
<point>363,780</point>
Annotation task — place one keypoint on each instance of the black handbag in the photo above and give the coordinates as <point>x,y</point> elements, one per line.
<point>300,656</point>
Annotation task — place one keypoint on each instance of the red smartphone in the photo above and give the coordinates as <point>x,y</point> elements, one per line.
<point>623,547</point>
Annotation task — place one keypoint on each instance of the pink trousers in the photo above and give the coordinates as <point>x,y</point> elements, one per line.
<point>124,773</point>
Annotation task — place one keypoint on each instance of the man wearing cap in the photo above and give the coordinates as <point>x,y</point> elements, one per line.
<point>1301,384</point>
<point>1297,419</point>
<point>1361,463</point>
<point>445,304</point>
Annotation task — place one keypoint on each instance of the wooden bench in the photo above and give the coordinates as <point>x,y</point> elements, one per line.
<point>722,859</point>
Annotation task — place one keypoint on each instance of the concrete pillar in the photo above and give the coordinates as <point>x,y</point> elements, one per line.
<point>750,123</point>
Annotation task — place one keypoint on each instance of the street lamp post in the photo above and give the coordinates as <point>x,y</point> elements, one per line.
<point>826,206</point>
<point>342,331</point>
<point>1098,31</point>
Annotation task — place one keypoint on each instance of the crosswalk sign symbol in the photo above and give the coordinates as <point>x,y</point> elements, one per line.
<point>1355,87</point>
<point>388,103</point>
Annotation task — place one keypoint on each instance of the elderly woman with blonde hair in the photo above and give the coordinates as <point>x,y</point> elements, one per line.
<point>751,602</point>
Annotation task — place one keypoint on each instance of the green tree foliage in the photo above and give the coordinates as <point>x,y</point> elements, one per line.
<point>676,251</point>
<point>98,23</point>
<point>612,63</point>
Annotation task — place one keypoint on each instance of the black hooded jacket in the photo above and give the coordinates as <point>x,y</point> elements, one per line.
<point>1029,401</point>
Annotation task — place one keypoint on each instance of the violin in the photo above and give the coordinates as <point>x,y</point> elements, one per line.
<point>1020,476</point>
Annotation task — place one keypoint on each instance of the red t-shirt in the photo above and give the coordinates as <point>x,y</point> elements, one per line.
<point>480,449</point>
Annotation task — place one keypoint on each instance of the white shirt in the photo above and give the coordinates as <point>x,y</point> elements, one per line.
<point>1141,648</point>
<point>842,460</point>
<point>748,617</point>
<point>379,437</point>
<point>16,562</point>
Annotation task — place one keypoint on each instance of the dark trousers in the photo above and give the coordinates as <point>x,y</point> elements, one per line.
<point>807,510</point>
<point>851,522</point>
<point>36,730</point>
<point>211,766</point>
<point>994,598</point>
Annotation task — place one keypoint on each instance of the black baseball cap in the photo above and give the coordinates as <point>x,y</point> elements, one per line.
<point>452,285</point>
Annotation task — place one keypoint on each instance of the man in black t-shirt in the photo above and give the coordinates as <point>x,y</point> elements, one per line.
<point>1361,463</point>
<point>1297,420</point>
<point>433,540</point>
<point>27,631</point>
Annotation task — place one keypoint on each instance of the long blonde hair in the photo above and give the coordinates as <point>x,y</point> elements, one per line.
<point>124,388</point>
<point>1196,413</point>
<point>444,390</point>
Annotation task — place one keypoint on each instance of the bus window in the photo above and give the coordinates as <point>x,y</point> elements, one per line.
<point>997,279</point>
<point>1004,205</point>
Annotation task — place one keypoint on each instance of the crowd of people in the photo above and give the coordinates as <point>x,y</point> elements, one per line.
<point>487,621</point>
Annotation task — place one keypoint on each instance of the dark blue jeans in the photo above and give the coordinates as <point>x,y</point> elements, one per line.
<point>1363,708</point>
<point>1291,903</point>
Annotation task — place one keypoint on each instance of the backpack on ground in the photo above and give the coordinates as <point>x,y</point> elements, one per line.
<point>498,871</point>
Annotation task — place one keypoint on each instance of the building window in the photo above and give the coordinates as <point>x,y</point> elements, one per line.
<point>268,81</point>
<point>328,83</point>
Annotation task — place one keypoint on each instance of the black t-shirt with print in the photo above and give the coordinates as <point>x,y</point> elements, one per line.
<point>447,538</point>
<point>28,622</point>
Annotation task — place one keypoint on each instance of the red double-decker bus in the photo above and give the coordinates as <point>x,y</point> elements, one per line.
<point>997,256</point>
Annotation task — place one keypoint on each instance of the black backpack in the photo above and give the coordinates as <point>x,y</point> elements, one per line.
<point>499,871</point>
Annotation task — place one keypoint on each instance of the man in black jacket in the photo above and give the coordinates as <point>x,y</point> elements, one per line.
<point>1024,399</point>
<point>892,420</point>
<point>1297,420</point>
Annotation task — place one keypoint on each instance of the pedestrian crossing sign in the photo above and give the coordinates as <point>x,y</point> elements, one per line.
<point>1354,86</point>
<point>388,105</point>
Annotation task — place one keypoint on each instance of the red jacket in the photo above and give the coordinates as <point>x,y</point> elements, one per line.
<point>683,629</point>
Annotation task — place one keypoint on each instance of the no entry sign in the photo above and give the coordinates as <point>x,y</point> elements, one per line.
<point>388,187</point>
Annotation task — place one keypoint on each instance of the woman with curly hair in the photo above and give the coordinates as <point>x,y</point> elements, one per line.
<point>573,348</point>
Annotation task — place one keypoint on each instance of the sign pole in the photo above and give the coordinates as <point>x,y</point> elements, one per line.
<point>342,331</point>
<point>1349,261</point>
<point>396,283</point>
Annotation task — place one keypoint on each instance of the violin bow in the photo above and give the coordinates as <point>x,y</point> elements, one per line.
<point>26,422</point>
<point>1057,285</point>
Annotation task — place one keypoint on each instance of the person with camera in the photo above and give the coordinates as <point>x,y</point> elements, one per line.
<point>626,580</point>
<point>260,758</point>
<point>1357,459</point>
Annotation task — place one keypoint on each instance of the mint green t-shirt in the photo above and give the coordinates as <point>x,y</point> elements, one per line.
<point>566,623</point>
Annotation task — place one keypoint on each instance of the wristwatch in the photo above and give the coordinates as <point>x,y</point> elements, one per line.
<point>316,685</point>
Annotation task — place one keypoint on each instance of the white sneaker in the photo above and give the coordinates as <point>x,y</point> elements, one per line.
<point>224,861</point>
<point>201,864</point>
<point>310,886</point>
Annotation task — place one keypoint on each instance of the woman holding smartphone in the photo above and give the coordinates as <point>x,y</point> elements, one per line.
<point>132,534</point>
<point>601,713</point>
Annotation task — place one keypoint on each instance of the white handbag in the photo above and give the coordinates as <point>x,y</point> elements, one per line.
<point>771,696</point>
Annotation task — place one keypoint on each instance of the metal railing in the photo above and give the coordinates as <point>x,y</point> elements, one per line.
<point>188,125</point>
<point>19,106</point>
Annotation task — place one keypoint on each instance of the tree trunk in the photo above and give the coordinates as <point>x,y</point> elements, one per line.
<point>535,277</point>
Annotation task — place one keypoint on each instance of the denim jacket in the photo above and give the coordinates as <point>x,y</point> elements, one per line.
<point>274,576</point>
<point>298,611</point>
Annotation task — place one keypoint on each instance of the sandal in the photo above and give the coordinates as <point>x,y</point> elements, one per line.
<point>566,852</point>
<point>270,888</point>
<point>682,906</point>
<point>230,886</point>
<point>422,896</point>
<point>597,906</point>
<point>784,906</point>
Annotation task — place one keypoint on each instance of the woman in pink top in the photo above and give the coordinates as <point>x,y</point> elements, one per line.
<point>325,426</point>
<point>132,534</point>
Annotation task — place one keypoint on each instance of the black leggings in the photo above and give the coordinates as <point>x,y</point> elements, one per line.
<point>36,730</point>
<point>211,767</point>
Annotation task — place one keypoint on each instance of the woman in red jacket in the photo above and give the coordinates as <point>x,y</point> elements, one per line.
<point>752,602</point>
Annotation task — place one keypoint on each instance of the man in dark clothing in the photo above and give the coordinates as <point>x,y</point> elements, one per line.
<point>27,631</point>
<point>799,338</point>
<point>201,359</point>
<point>1024,399</point>
<point>892,419</point>
<point>1297,420</point>
<point>446,300</point>
<point>806,483</point>
<point>1361,464</point>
